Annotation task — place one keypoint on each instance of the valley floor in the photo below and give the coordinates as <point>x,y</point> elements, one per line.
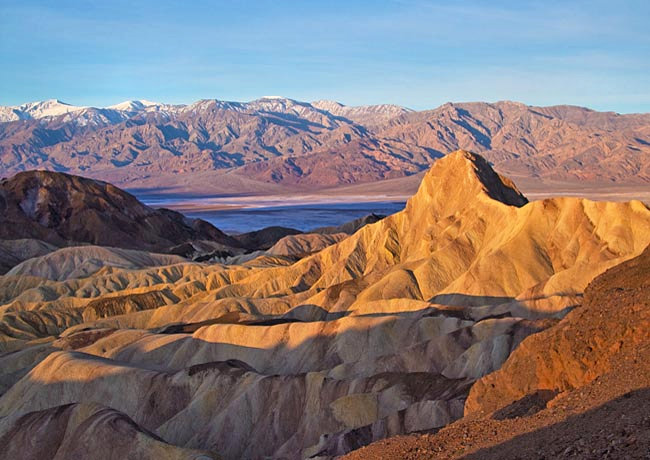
<point>215,198</point>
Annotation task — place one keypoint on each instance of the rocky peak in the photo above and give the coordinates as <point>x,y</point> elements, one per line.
<point>460,179</point>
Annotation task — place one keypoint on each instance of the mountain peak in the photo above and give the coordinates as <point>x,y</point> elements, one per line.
<point>275,100</point>
<point>133,105</point>
<point>459,179</point>
<point>47,103</point>
<point>363,114</point>
<point>47,108</point>
<point>325,103</point>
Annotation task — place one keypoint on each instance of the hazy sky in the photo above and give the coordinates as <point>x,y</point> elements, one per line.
<point>415,53</point>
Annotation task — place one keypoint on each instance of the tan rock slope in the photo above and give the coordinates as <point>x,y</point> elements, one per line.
<point>577,390</point>
<point>380,334</point>
<point>305,244</point>
<point>83,261</point>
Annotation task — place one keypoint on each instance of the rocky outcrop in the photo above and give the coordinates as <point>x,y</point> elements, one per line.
<point>62,209</point>
<point>120,305</point>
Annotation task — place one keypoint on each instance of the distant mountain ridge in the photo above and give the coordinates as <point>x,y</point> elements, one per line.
<point>52,108</point>
<point>290,143</point>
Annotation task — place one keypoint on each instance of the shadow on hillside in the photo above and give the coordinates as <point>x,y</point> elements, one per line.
<point>504,306</point>
<point>300,314</point>
<point>528,405</point>
<point>153,382</point>
<point>456,305</point>
<point>351,348</point>
<point>457,299</point>
<point>619,428</point>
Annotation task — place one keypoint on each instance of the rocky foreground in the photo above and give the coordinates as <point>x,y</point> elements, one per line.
<point>577,390</point>
<point>471,302</point>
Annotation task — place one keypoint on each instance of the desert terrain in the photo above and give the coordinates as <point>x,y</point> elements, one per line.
<point>344,230</point>
<point>475,322</point>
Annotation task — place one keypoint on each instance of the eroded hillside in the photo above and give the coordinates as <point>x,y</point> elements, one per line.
<point>577,390</point>
<point>381,333</point>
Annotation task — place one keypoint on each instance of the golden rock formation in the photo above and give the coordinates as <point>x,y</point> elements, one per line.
<point>379,334</point>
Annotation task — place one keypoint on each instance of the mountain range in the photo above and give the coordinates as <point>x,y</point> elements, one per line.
<point>280,144</point>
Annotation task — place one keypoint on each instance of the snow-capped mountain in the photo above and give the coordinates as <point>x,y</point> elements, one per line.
<point>323,143</point>
<point>56,110</point>
<point>49,108</point>
<point>134,106</point>
<point>88,115</point>
<point>11,114</point>
<point>364,114</point>
<point>52,108</point>
<point>39,109</point>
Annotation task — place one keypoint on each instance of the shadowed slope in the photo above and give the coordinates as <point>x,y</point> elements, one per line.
<point>85,431</point>
<point>13,252</point>
<point>59,208</point>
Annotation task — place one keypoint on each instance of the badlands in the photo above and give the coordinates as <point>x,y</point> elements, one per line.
<point>470,320</point>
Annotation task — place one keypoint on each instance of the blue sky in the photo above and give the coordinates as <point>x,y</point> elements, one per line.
<point>415,53</point>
